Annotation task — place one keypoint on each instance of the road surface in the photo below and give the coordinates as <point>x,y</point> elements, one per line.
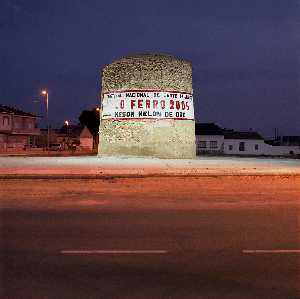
<point>153,237</point>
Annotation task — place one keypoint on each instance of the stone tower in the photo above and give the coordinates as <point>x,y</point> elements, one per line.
<point>147,108</point>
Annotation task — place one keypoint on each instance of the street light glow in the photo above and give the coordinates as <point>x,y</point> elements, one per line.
<point>44,92</point>
<point>66,122</point>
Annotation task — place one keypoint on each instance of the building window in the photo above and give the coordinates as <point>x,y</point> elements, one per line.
<point>31,140</point>
<point>202,144</point>
<point>256,147</point>
<point>242,146</point>
<point>5,121</point>
<point>213,144</point>
<point>230,147</point>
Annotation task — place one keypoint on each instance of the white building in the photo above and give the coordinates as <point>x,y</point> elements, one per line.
<point>283,145</point>
<point>211,139</point>
<point>243,143</point>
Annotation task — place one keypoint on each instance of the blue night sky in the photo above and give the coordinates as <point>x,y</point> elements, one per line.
<point>245,55</point>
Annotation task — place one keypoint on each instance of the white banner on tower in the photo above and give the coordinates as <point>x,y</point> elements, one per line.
<point>140,104</point>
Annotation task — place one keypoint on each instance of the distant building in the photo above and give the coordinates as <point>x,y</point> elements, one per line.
<point>68,136</point>
<point>18,129</point>
<point>211,139</point>
<point>288,140</point>
<point>55,136</point>
<point>283,145</point>
<point>243,143</point>
<point>86,139</point>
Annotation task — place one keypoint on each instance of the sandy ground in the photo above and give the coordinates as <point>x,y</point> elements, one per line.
<point>89,166</point>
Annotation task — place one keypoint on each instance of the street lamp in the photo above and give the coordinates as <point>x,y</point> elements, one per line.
<point>45,93</point>
<point>67,125</point>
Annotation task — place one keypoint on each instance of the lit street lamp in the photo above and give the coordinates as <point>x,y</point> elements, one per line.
<point>68,133</point>
<point>45,92</point>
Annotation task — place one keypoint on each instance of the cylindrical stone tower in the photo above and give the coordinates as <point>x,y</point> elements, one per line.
<point>147,108</point>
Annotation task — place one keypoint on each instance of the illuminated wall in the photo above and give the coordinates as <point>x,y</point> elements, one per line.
<point>147,108</point>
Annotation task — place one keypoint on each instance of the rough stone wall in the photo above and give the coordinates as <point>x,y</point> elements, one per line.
<point>164,138</point>
<point>161,72</point>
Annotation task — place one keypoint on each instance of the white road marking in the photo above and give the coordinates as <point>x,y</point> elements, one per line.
<point>113,252</point>
<point>254,251</point>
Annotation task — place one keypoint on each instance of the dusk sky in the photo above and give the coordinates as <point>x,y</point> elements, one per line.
<point>245,55</point>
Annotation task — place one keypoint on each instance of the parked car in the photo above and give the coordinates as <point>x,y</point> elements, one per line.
<point>55,147</point>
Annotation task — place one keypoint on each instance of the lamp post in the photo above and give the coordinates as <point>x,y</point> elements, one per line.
<point>67,125</point>
<point>45,93</point>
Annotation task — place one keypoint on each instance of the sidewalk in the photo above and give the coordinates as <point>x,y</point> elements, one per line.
<point>106,167</point>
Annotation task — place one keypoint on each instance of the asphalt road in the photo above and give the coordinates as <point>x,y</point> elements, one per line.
<point>150,238</point>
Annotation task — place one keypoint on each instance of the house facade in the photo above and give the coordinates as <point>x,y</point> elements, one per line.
<point>211,139</point>
<point>18,129</point>
<point>243,143</point>
<point>283,145</point>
